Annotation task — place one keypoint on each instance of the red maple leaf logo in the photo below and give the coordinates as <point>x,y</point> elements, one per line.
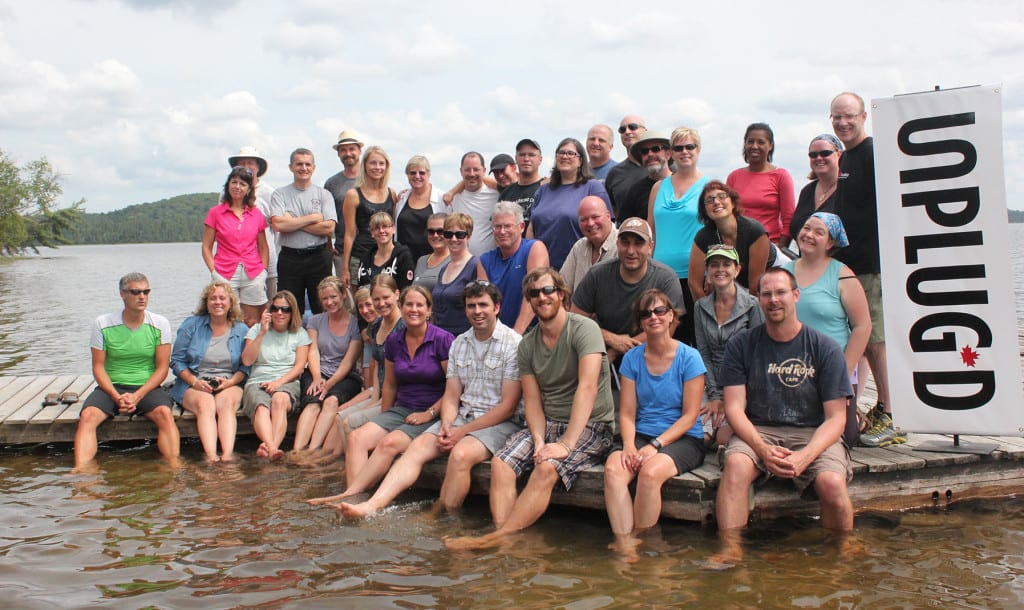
<point>969,356</point>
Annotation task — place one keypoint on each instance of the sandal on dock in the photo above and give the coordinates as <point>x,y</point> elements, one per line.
<point>51,399</point>
<point>69,398</point>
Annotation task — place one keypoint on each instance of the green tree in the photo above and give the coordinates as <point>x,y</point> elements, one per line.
<point>29,216</point>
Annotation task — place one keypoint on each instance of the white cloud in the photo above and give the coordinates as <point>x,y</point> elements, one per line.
<point>293,41</point>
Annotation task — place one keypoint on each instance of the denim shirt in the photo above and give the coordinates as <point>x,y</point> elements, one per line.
<point>190,346</point>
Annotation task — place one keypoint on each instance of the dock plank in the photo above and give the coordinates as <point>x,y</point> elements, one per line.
<point>47,415</point>
<point>35,404</point>
<point>24,394</point>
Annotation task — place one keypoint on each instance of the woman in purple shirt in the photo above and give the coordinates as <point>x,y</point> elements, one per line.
<point>415,368</point>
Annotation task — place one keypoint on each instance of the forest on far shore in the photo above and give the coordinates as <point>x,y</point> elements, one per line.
<point>178,219</point>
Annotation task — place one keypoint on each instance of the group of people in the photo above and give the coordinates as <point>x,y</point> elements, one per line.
<point>485,323</point>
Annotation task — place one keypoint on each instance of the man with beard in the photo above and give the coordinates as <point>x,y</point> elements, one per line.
<point>528,161</point>
<point>626,277</point>
<point>597,243</point>
<point>599,149</point>
<point>786,388</point>
<point>623,176</point>
<point>569,410</point>
<point>652,152</point>
<point>349,148</point>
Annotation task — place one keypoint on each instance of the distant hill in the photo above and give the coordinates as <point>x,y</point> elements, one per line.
<point>178,219</point>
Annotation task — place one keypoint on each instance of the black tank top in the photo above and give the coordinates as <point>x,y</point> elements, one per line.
<point>364,241</point>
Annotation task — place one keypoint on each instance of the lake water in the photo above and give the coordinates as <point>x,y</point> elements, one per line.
<point>138,534</point>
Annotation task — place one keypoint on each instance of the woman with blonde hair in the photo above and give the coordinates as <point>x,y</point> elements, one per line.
<point>370,195</point>
<point>207,360</point>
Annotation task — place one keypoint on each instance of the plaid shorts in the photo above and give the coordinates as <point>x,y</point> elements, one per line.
<point>591,450</point>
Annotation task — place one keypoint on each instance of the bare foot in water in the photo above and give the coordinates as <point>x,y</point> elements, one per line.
<point>471,543</point>
<point>355,511</point>
<point>276,455</point>
<point>263,450</point>
<point>730,553</point>
<point>322,501</point>
<point>626,547</point>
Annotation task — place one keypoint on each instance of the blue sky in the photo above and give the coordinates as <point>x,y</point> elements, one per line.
<point>138,100</point>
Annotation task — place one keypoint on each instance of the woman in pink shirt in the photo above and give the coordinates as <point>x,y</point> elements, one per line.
<point>767,191</point>
<point>237,226</point>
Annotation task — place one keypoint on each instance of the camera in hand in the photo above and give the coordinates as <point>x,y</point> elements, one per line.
<point>213,381</point>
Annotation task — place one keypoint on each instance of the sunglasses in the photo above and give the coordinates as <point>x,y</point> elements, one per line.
<point>137,291</point>
<point>630,127</point>
<point>682,147</point>
<point>659,311</point>
<point>480,283</point>
<point>533,293</point>
<point>657,148</point>
<point>824,154</point>
<point>417,172</point>
<point>280,308</point>
<point>433,231</point>
<point>455,234</point>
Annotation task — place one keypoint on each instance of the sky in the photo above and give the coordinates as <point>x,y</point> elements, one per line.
<point>139,100</point>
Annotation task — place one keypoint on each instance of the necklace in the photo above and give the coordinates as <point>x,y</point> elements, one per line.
<point>824,195</point>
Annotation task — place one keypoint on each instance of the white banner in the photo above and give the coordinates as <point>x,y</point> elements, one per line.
<point>950,322</point>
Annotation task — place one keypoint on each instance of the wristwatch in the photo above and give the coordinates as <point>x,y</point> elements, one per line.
<point>656,443</point>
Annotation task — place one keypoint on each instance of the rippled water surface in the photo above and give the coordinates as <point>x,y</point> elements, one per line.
<point>137,534</point>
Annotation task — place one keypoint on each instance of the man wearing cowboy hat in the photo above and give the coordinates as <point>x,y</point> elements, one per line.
<point>651,151</point>
<point>349,148</point>
<point>247,157</point>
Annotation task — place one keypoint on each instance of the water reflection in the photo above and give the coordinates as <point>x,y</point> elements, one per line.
<point>137,533</point>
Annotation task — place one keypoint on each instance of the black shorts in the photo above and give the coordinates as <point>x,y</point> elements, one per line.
<point>157,397</point>
<point>687,452</point>
<point>344,390</point>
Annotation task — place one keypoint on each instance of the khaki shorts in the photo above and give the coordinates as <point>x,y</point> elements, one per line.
<point>251,291</point>
<point>493,438</point>
<point>872,283</point>
<point>834,459</point>
<point>254,397</point>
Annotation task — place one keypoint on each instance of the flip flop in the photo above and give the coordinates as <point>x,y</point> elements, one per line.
<point>51,399</point>
<point>69,398</point>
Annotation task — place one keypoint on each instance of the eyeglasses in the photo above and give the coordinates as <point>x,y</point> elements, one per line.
<point>657,148</point>
<point>533,293</point>
<point>848,117</point>
<point>569,154</point>
<point>280,308</point>
<point>660,310</point>
<point>433,231</point>
<point>630,127</point>
<point>455,234</point>
<point>417,172</point>
<point>719,196</point>
<point>682,147</point>
<point>824,154</point>
<point>137,291</point>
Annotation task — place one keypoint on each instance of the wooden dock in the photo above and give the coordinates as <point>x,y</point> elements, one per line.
<point>892,478</point>
<point>24,419</point>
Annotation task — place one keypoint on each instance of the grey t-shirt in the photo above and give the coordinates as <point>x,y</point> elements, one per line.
<point>300,202</point>
<point>787,382</point>
<point>332,347</point>
<point>216,361</point>
<point>604,293</point>
<point>427,276</point>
